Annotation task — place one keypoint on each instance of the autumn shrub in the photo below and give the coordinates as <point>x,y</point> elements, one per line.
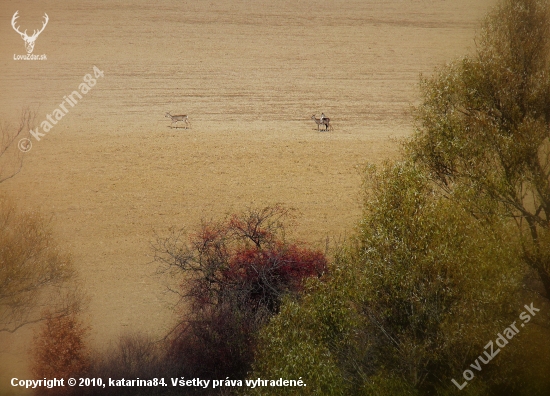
<point>59,351</point>
<point>133,356</point>
<point>34,271</point>
<point>233,275</point>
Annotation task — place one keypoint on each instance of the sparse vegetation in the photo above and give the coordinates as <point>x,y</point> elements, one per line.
<point>11,157</point>
<point>34,272</point>
<point>132,356</point>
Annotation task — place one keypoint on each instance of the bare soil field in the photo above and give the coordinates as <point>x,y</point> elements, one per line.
<point>111,173</point>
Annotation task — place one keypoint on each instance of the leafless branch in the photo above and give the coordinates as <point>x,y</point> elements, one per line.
<point>11,158</point>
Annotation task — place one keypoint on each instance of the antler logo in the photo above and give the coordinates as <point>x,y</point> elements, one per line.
<point>29,41</point>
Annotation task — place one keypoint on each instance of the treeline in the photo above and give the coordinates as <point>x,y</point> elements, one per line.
<point>444,288</point>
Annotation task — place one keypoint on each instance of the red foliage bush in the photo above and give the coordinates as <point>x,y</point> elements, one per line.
<point>59,352</point>
<point>264,275</point>
<point>234,275</point>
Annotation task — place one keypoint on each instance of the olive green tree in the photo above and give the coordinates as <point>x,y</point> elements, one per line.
<point>408,304</point>
<point>483,127</point>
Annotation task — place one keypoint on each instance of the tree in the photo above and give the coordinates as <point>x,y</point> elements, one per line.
<point>59,351</point>
<point>484,125</point>
<point>11,154</point>
<point>233,275</point>
<point>33,271</point>
<point>133,356</point>
<point>406,306</point>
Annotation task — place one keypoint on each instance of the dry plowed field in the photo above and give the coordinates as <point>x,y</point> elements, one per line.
<point>111,173</point>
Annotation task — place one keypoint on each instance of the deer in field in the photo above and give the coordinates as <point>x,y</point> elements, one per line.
<point>322,121</point>
<point>176,118</point>
<point>29,41</point>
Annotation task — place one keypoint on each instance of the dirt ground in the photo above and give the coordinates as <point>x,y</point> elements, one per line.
<point>111,172</point>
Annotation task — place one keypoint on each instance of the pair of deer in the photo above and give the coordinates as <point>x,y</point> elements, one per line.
<point>322,121</point>
<point>319,121</point>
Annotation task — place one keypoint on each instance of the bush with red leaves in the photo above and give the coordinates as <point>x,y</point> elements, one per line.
<point>261,276</point>
<point>59,351</point>
<point>234,274</point>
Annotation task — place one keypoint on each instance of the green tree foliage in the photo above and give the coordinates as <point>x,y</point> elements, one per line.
<point>406,309</point>
<point>308,337</point>
<point>484,125</point>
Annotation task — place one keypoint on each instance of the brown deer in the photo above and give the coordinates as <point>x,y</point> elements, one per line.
<point>176,118</point>
<point>322,121</point>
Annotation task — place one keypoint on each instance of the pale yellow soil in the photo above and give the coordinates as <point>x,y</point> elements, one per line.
<point>249,74</point>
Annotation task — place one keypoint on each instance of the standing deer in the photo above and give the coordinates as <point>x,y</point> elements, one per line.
<point>176,118</point>
<point>29,41</point>
<point>322,121</point>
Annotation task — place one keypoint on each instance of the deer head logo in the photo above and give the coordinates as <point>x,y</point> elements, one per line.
<point>29,41</point>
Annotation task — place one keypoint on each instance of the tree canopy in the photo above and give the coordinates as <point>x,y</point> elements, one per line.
<point>483,127</point>
<point>423,285</point>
